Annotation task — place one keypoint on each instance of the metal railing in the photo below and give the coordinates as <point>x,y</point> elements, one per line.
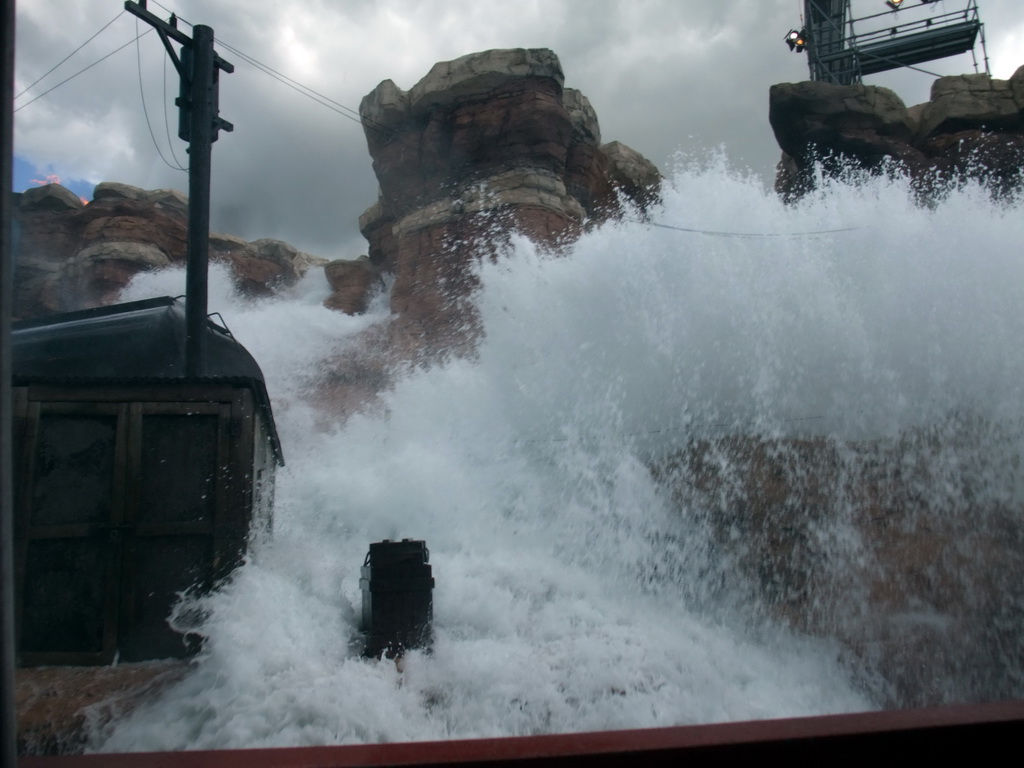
<point>846,59</point>
<point>923,735</point>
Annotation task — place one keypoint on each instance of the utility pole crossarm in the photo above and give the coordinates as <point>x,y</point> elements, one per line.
<point>168,30</point>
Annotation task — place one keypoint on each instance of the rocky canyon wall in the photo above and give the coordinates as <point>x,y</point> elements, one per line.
<point>971,128</point>
<point>884,545</point>
<point>483,145</point>
<point>72,255</point>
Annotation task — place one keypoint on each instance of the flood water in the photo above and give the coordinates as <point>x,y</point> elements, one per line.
<point>574,591</point>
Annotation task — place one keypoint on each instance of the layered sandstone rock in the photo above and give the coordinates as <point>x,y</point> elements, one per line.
<point>71,255</point>
<point>972,128</point>
<point>883,545</point>
<point>353,282</point>
<point>483,145</point>
<point>59,707</point>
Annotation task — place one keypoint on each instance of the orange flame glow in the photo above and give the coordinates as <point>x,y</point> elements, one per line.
<point>53,178</point>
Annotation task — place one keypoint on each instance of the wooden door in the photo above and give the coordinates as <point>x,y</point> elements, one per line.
<point>177,493</point>
<point>70,513</point>
<point>122,507</point>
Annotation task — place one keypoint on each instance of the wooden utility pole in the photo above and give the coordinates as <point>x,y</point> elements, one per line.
<point>198,67</point>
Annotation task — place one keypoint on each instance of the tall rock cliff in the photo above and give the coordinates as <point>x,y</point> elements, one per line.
<point>485,144</point>
<point>971,128</point>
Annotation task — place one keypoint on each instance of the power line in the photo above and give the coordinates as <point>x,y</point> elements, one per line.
<point>167,122</point>
<point>62,82</point>
<point>55,66</point>
<point>719,233</point>
<point>287,80</point>
<point>145,111</point>
<point>310,93</point>
<point>177,166</point>
<point>305,90</point>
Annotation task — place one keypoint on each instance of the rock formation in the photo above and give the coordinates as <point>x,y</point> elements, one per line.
<point>71,255</point>
<point>972,128</point>
<point>850,541</point>
<point>58,706</point>
<point>926,576</point>
<point>353,281</point>
<point>485,144</point>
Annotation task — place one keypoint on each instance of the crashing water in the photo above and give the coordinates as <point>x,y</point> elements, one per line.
<point>574,591</point>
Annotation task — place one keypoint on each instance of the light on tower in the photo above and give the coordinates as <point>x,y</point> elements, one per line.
<point>796,41</point>
<point>894,4</point>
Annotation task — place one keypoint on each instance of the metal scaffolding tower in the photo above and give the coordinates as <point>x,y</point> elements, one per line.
<point>839,53</point>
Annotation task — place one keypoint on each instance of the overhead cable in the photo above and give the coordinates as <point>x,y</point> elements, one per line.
<point>301,88</point>
<point>310,93</point>
<point>145,111</point>
<point>273,72</point>
<point>85,69</point>
<point>720,233</point>
<point>55,66</point>
<point>306,91</point>
<point>167,121</point>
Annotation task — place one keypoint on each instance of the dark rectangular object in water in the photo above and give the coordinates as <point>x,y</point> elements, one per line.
<point>397,599</point>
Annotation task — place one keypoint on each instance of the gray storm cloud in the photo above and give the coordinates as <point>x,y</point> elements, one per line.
<point>666,77</point>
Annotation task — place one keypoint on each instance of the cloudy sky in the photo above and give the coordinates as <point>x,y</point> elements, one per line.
<point>665,77</point>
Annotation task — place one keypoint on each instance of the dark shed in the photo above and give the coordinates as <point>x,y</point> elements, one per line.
<point>133,482</point>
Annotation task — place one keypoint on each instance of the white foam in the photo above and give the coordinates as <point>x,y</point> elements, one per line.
<point>570,596</point>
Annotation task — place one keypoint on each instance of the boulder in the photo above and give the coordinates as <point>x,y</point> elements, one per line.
<point>588,177</point>
<point>111,190</point>
<point>822,122</point>
<point>261,267</point>
<point>1017,86</point>
<point>969,101</point>
<point>632,174</point>
<point>585,128</point>
<point>375,224</point>
<point>353,282</point>
<point>465,120</point>
<point>49,197</point>
<point>810,114</point>
<point>101,270</point>
<point>478,75</point>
